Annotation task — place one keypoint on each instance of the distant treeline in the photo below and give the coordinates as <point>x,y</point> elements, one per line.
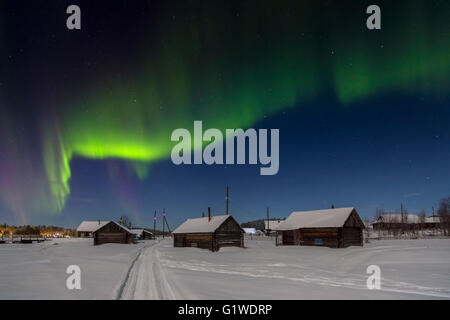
<point>7,230</point>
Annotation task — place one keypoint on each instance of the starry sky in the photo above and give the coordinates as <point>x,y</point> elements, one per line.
<point>86,115</point>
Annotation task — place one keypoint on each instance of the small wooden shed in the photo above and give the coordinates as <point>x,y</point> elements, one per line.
<point>106,232</point>
<point>143,234</point>
<point>210,233</point>
<point>336,228</point>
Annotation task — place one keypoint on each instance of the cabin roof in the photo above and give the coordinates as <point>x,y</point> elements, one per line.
<point>433,219</point>
<point>250,230</point>
<point>272,224</point>
<point>201,225</point>
<point>326,218</point>
<point>139,231</point>
<point>92,226</point>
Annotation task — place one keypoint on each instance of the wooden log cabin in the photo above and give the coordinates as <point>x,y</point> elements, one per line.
<point>210,233</point>
<point>106,232</point>
<point>335,228</point>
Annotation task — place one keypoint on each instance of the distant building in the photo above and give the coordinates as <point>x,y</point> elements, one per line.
<point>106,232</point>
<point>143,234</point>
<point>405,221</point>
<point>209,232</point>
<point>433,219</point>
<point>337,228</point>
<point>270,226</point>
<point>250,230</point>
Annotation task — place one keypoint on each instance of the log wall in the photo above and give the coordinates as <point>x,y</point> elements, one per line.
<point>229,234</point>
<point>326,237</point>
<point>352,237</point>
<point>197,240</point>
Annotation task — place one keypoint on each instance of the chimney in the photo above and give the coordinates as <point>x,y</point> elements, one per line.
<point>98,222</point>
<point>209,214</point>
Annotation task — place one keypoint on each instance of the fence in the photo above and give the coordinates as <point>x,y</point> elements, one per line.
<point>259,237</point>
<point>405,235</point>
<point>27,238</point>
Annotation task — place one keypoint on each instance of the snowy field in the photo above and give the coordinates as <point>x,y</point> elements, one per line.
<point>410,269</point>
<point>38,271</point>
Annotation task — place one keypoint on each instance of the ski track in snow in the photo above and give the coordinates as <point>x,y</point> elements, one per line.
<point>146,278</point>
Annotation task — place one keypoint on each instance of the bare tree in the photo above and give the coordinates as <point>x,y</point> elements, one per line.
<point>379,227</point>
<point>444,215</point>
<point>404,223</point>
<point>394,224</point>
<point>422,220</point>
<point>125,221</point>
<point>379,212</point>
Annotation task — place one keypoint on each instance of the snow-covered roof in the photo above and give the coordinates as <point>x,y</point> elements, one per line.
<point>139,231</point>
<point>201,225</point>
<point>272,224</point>
<point>327,218</point>
<point>123,227</point>
<point>250,230</point>
<point>432,219</point>
<point>91,226</point>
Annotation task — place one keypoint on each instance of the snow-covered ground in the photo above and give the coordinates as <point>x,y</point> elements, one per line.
<point>38,271</point>
<point>410,269</point>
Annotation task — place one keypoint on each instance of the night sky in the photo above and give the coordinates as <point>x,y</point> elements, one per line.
<point>86,116</point>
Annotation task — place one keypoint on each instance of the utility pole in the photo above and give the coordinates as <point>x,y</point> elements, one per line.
<point>268,226</point>
<point>164,219</point>
<point>227,198</point>
<point>167,223</point>
<point>154,225</point>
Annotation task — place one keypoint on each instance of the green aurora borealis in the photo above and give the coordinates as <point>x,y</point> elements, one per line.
<point>227,64</point>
